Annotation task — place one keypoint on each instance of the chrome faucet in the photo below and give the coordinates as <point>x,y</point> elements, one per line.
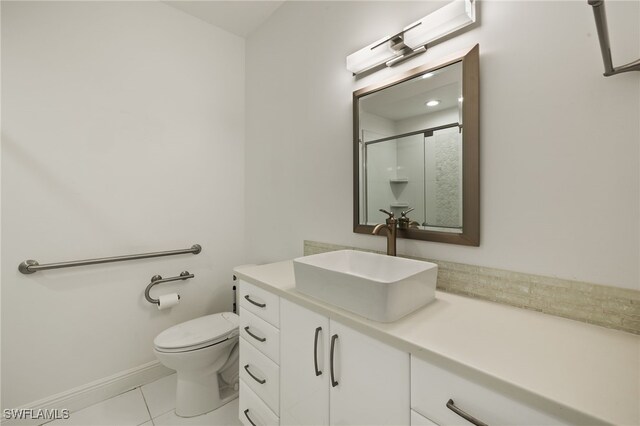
<point>391,228</point>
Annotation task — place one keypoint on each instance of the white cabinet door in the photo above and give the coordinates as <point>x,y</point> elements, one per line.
<point>304,395</point>
<point>372,380</point>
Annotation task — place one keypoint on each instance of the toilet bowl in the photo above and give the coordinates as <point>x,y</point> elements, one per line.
<point>204,354</point>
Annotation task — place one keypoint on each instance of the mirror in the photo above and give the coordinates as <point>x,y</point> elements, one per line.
<point>416,146</point>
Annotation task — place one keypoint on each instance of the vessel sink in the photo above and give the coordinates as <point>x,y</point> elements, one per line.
<point>377,287</point>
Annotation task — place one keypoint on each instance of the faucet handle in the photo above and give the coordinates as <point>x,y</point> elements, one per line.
<point>404,222</point>
<point>404,213</point>
<point>391,215</point>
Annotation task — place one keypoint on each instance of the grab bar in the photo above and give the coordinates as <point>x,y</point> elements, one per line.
<point>600,17</point>
<point>157,279</point>
<point>30,266</point>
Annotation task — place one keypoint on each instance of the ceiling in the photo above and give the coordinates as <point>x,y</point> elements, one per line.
<point>408,99</point>
<point>238,17</point>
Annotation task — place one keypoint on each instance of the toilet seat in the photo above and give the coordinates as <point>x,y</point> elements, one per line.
<point>198,333</point>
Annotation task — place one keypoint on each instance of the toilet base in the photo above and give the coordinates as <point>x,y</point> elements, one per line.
<point>197,395</point>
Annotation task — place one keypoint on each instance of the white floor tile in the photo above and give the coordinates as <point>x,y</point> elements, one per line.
<point>127,409</point>
<point>227,415</point>
<point>149,423</point>
<point>161,395</point>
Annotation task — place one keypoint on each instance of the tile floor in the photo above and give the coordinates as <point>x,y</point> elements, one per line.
<point>150,405</point>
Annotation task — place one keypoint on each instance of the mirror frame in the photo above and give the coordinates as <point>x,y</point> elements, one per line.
<point>470,235</point>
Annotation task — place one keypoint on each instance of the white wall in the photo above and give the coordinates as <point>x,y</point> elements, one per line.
<point>382,166</point>
<point>559,142</point>
<point>123,132</point>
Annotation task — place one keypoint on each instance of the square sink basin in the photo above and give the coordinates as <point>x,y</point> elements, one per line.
<point>377,287</point>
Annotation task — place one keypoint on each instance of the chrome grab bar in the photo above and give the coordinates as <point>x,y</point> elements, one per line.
<point>30,266</point>
<point>157,279</point>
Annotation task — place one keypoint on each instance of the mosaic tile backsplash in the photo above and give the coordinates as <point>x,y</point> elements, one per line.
<point>610,307</point>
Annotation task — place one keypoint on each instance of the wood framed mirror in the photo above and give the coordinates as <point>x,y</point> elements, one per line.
<point>416,147</point>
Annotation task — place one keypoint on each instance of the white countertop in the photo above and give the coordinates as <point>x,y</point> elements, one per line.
<point>586,368</point>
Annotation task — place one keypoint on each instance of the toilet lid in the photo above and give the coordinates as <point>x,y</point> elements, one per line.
<point>198,332</point>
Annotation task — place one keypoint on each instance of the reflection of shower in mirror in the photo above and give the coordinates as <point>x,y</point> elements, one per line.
<point>420,171</point>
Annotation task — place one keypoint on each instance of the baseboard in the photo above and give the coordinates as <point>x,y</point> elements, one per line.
<point>94,392</point>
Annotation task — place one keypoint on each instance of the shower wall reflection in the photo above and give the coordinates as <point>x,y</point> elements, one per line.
<point>411,151</point>
<point>420,171</point>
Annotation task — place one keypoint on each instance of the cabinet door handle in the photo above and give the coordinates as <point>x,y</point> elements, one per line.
<point>246,414</point>
<point>334,383</point>
<point>452,406</point>
<point>261,381</point>
<point>259,305</point>
<point>315,351</point>
<point>259,339</point>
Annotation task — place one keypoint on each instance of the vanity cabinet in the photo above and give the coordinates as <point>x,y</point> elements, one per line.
<point>259,356</point>
<point>332,374</point>
<point>420,420</point>
<point>299,367</point>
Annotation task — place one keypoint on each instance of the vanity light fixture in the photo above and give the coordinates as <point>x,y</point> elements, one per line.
<point>432,103</point>
<point>413,39</point>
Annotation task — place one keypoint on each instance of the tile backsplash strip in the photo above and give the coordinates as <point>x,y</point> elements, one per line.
<point>610,307</point>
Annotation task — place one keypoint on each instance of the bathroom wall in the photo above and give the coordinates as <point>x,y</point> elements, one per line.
<point>123,132</point>
<point>382,165</point>
<point>560,154</point>
<point>411,165</point>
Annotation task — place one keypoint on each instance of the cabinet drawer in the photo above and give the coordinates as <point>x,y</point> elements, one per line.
<point>420,420</point>
<point>261,374</point>
<point>253,411</point>
<point>432,386</point>
<point>260,302</point>
<point>260,334</point>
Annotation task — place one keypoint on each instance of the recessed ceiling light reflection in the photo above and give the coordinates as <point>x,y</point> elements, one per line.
<point>433,103</point>
<point>428,75</point>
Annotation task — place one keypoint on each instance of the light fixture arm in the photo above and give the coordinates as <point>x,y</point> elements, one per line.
<point>400,34</point>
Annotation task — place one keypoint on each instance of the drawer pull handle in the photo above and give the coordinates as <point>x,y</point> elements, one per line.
<point>315,351</point>
<point>334,383</point>
<point>259,305</point>
<point>259,339</point>
<point>246,414</point>
<point>452,406</point>
<point>261,381</point>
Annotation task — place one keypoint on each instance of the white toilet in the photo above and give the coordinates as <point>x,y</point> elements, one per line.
<point>204,353</point>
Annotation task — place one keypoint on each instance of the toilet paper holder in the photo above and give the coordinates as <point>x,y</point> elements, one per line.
<point>157,279</point>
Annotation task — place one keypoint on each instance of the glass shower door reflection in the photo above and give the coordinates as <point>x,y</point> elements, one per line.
<point>422,171</point>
